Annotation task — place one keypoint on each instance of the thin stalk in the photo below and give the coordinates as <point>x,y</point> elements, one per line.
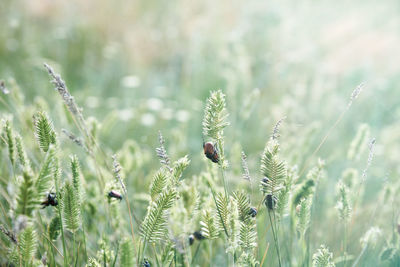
<point>221,149</point>
<point>74,243</point>
<point>275,238</point>
<point>210,251</point>
<point>218,211</point>
<point>116,255</point>
<point>62,234</point>
<point>328,133</point>
<point>104,258</point>
<point>138,254</point>
<point>345,243</point>
<point>175,257</point>
<point>54,246</point>
<point>141,257</point>
<point>130,220</point>
<point>77,254</point>
<point>195,253</point>
<point>155,254</point>
<point>265,255</point>
<point>53,258</point>
<point>360,256</point>
<point>84,238</point>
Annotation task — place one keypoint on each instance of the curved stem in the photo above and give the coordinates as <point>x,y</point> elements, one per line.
<point>360,256</point>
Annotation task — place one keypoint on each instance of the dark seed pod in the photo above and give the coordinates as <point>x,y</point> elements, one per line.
<point>191,239</point>
<point>270,202</point>
<point>199,235</point>
<point>146,263</point>
<point>211,152</point>
<point>114,194</point>
<point>253,212</point>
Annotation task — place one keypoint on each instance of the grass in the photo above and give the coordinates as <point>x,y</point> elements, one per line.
<point>205,72</point>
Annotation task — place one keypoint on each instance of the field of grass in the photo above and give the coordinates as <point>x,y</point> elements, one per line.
<point>199,133</point>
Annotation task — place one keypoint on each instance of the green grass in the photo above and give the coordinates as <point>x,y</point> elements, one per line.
<point>145,68</point>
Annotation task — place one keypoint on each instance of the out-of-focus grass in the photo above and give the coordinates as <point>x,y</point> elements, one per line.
<point>145,66</point>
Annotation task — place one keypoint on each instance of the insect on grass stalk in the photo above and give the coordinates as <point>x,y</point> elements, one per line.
<point>117,170</point>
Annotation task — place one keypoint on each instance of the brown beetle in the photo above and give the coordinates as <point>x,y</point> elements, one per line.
<point>115,194</point>
<point>50,201</point>
<point>211,152</point>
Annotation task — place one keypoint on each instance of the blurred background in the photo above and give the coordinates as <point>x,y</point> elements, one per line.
<point>143,66</point>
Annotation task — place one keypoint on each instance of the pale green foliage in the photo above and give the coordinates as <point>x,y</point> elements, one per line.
<point>118,173</point>
<point>247,240</point>
<point>371,237</point>
<point>70,207</point>
<point>92,262</point>
<point>208,225</point>
<point>179,166</point>
<point>158,184</point>
<point>247,259</point>
<point>273,168</point>
<point>284,194</point>
<point>214,122</point>
<point>215,115</point>
<point>43,181</point>
<point>350,177</point>
<point>105,253</point>
<point>13,256</point>
<point>304,191</point>
<point>307,188</point>
<point>323,258</point>
<point>22,157</point>
<point>44,131</point>
<point>27,245</point>
<point>126,253</point>
<point>343,205</point>
<point>247,237</point>
<point>54,228</point>
<point>233,227</point>
<point>9,138</point>
<point>167,254</point>
<point>303,216</point>
<point>245,167</point>
<point>154,225</point>
<point>162,153</point>
<point>222,203</point>
<point>243,204</point>
<point>76,178</point>
<point>57,169</point>
<point>359,143</point>
<point>26,193</point>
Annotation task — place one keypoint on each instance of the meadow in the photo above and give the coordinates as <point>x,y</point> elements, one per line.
<point>199,133</point>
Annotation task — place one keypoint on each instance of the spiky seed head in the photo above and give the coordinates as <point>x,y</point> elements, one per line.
<point>54,228</point>
<point>323,258</point>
